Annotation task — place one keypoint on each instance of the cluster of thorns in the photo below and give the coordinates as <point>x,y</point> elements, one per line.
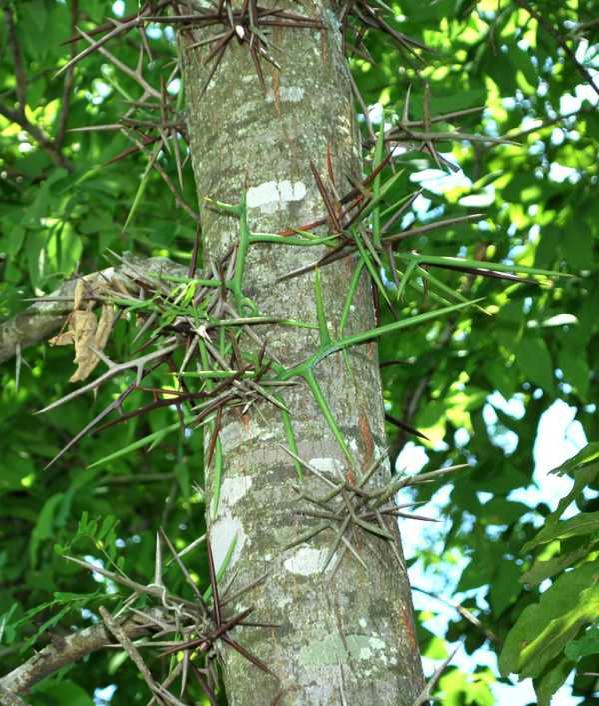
<point>199,316</point>
<point>200,627</point>
<point>203,627</point>
<point>156,126</point>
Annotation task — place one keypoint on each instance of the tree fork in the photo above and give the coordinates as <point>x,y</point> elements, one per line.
<point>346,637</point>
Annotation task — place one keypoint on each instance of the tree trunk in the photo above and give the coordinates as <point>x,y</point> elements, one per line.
<point>345,637</point>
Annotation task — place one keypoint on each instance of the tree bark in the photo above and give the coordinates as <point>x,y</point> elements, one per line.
<point>346,638</point>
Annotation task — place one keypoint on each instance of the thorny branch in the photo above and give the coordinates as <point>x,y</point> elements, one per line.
<point>196,626</point>
<point>349,506</point>
<point>17,115</point>
<point>48,314</point>
<point>425,696</point>
<point>71,649</point>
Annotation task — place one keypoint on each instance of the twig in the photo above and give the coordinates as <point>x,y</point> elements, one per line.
<point>67,90</point>
<point>561,41</point>
<point>121,635</point>
<point>464,612</point>
<point>18,116</point>
<point>425,694</point>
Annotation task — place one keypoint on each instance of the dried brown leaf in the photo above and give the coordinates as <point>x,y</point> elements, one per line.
<point>84,325</point>
<point>105,326</point>
<point>65,338</point>
<point>79,294</point>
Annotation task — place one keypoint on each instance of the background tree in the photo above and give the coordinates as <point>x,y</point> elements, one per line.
<point>522,62</point>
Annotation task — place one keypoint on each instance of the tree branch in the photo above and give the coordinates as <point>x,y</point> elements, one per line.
<point>43,318</point>
<point>69,649</point>
<point>18,115</point>
<point>17,56</point>
<point>9,698</point>
<point>561,41</point>
<point>69,79</point>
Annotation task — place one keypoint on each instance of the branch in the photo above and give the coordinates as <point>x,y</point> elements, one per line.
<point>561,41</point>
<point>18,115</point>
<point>46,316</point>
<point>9,698</point>
<point>69,649</point>
<point>464,612</point>
<point>15,50</point>
<point>69,80</point>
<point>425,695</point>
<point>581,112</point>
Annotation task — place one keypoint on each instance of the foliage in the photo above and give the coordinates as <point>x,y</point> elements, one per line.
<point>542,643</point>
<point>61,214</point>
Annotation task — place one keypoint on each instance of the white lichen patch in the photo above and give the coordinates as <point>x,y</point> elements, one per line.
<point>273,195</point>
<point>287,94</point>
<point>107,274</point>
<point>231,437</point>
<point>333,650</point>
<point>234,488</point>
<point>306,561</point>
<point>227,534</point>
<point>283,600</point>
<point>374,644</point>
<point>327,465</point>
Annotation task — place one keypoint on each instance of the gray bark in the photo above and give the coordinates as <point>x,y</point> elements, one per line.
<point>347,638</point>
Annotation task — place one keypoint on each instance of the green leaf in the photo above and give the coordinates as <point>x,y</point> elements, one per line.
<point>535,362</point>
<point>587,645</point>
<point>500,376</point>
<point>34,13</point>
<point>44,526</point>
<point>585,457</point>
<point>579,252</point>
<point>573,363</point>
<point>36,261</point>
<point>505,586</point>
<point>156,437</point>
<point>542,570</point>
<point>436,649</point>
<point>182,472</point>
<point>63,693</point>
<point>500,511</point>
<point>46,625</point>
<point>546,685</point>
<point>583,523</point>
<point>544,629</point>
<point>480,571</point>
